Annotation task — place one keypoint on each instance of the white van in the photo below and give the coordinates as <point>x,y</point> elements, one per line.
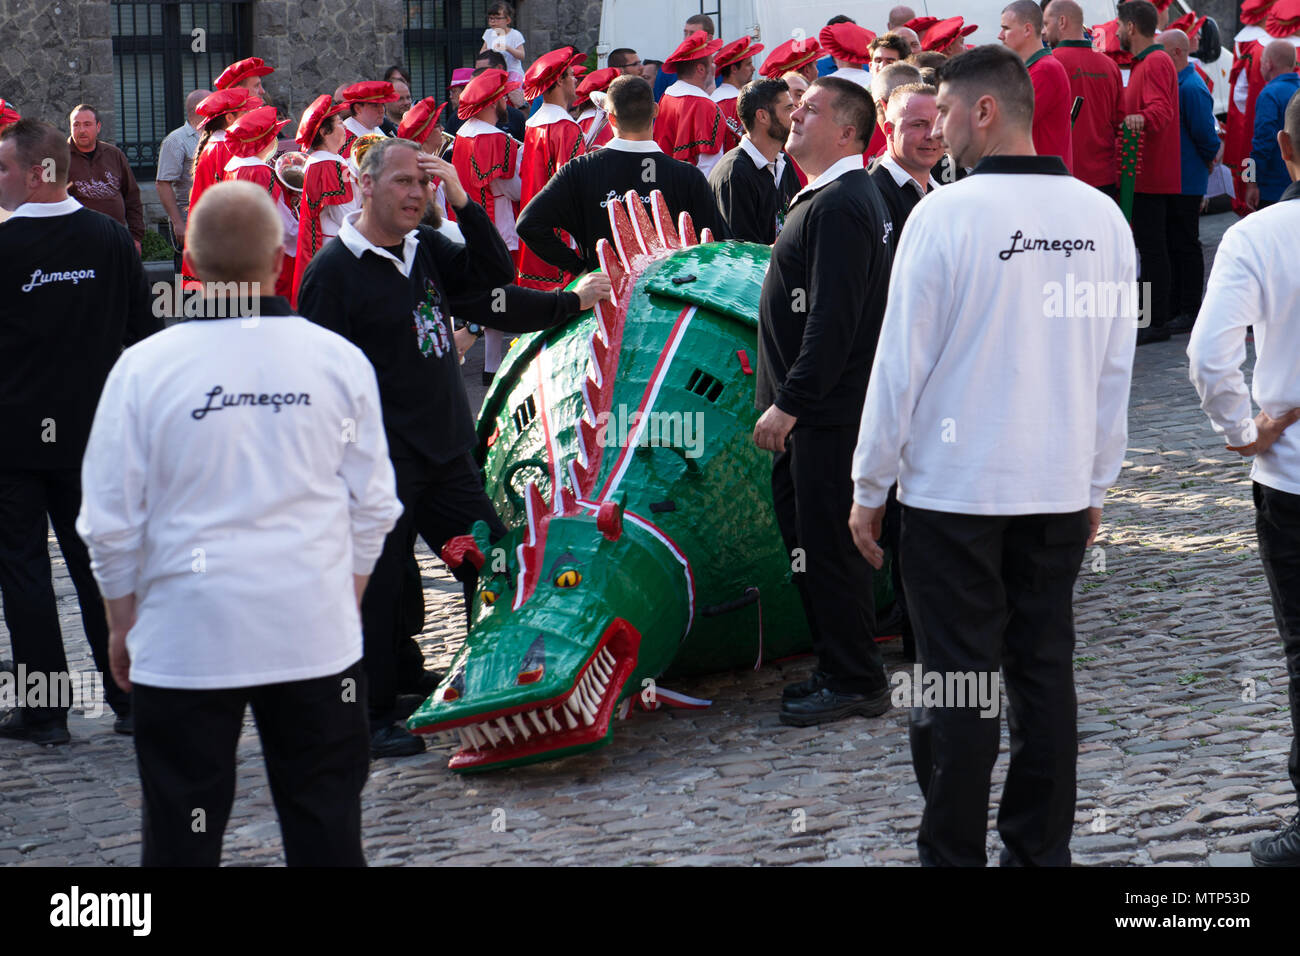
<point>654,29</point>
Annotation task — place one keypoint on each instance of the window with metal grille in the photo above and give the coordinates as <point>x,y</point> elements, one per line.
<point>704,384</point>
<point>440,36</point>
<point>155,65</point>
<point>524,413</point>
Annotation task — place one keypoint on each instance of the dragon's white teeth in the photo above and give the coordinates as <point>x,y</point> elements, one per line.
<point>588,716</point>
<point>486,728</point>
<point>505,729</point>
<point>523,728</point>
<point>568,719</point>
<point>571,703</point>
<point>551,721</point>
<point>541,728</point>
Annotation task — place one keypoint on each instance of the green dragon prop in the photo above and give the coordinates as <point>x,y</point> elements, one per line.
<point>618,448</point>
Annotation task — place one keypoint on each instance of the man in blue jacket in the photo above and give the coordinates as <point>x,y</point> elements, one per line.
<point>1199,144</point>
<point>1281,83</point>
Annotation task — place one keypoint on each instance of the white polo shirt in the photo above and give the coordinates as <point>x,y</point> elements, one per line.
<point>236,477</point>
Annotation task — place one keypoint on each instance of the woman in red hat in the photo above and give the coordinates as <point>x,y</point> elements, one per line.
<point>735,66</point>
<point>552,137</point>
<point>210,157</point>
<point>328,192</point>
<point>253,139</point>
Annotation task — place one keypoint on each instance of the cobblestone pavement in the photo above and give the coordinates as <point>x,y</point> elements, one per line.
<point>1176,759</point>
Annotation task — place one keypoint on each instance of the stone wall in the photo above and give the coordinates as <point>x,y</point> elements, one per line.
<point>548,24</point>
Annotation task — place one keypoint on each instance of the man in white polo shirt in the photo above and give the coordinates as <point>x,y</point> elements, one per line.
<point>237,491</point>
<point>1250,286</point>
<point>998,401</point>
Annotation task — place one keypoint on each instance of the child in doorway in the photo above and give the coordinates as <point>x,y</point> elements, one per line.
<point>501,36</point>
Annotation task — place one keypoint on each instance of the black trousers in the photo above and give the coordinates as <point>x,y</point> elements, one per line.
<point>316,744</point>
<point>990,592</point>
<point>1277,523</point>
<point>439,502</point>
<point>27,586</point>
<point>1186,257</point>
<point>812,491</point>
<point>1150,212</point>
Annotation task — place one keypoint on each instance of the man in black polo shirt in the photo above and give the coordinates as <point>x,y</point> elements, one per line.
<point>903,172</point>
<point>72,294</point>
<point>819,318</point>
<point>578,196</point>
<point>754,183</point>
<point>388,285</point>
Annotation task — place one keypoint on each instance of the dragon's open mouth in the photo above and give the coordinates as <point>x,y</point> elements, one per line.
<point>578,719</point>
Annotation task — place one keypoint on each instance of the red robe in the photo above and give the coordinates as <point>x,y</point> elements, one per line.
<point>326,183</point>
<point>1247,65</point>
<point>480,159</point>
<point>689,125</point>
<point>263,175</point>
<point>1052,100</point>
<point>1096,78</point>
<point>210,167</point>
<point>603,135</point>
<point>725,97</point>
<point>877,144</point>
<point>1153,91</point>
<point>551,139</point>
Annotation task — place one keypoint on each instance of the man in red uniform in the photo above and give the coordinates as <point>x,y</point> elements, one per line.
<point>593,120</point>
<point>487,163</point>
<point>798,55</point>
<point>850,48</point>
<point>690,126</point>
<point>245,74</point>
<point>552,137</point>
<point>365,106</point>
<point>1022,33</point>
<point>735,66</point>
<point>1096,78</point>
<point>1150,106</point>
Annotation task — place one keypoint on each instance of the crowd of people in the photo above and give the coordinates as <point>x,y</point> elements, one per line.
<point>911,189</point>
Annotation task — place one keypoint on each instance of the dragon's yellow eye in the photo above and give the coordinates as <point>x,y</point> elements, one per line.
<point>568,579</point>
<point>489,597</point>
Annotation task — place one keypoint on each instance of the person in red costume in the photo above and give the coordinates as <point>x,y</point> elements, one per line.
<point>253,139</point>
<point>487,163</point>
<point>328,192</point>
<point>945,36</point>
<point>8,115</point>
<point>1150,106</point>
<point>690,126</point>
<point>735,66</point>
<point>1022,33</point>
<point>1263,21</point>
<point>593,120</point>
<point>422,125</point>
<point>552,137</point>
<point>1095,77</point>
<point>218,110</point>
<point>850,48</point>
<point>365,105</point>
<point>246,75</point>
<point>797,55</point>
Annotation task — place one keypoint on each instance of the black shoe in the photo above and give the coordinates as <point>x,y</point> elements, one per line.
<point>16,726</point>
<point>124,724</point>
<point>1153,333</point>
<point>826,705</point>
<point>1181,324</point>
<point>424,684</point>
<point>395,741</point>
<point>812,685</point>
<point>1280,849</point>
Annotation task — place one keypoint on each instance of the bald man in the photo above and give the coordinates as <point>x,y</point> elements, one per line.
<point>1198,145</point>
<point>1095,77</point>
<point>909,37</point>
<point>884,82</point>
<point>900,15</point>
<point>176,168</point>
<point>1022,32</point>
<point>1280,84</point>
<point>253,530</point>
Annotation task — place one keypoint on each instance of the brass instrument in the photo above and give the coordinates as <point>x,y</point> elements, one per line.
<point>291,170</point>
<point>363,143</point>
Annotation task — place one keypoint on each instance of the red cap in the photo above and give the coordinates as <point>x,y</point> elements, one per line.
<point>790,55</point>
<point>7,113</point>
<point>1283,19</point>
<point>1189,23</point>
<point>919,25</point>
<point>321,108</point>
<point>596,80</point>
<point>370,91</point>
<point>225,102</point>
<point>482,91</point>
<point>251,133</point>
<point>847,41</point>
<point>1254,12</point>
<point>940,35</point>
<point>1161,5</point>
<point>420,120</point>
<point>735,51</point>
<point>547,70</point>
<point>580,70</point>
<point>239,71</point>
<point>695,47</point>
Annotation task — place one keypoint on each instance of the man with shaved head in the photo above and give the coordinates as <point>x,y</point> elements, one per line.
<point>1280,85</point>
<point>909,37</point>
<point>176,168</point>
<point>1251,285</point>
<point>1022,32</point>
<point>1198,145</point>
<point>233,547</point>
<point>883,83</point>
<point>75,293</point>
<point>1095,77</point>
<point>900,15</point>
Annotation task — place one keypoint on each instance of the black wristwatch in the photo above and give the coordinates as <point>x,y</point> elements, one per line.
<point>473,328</point>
